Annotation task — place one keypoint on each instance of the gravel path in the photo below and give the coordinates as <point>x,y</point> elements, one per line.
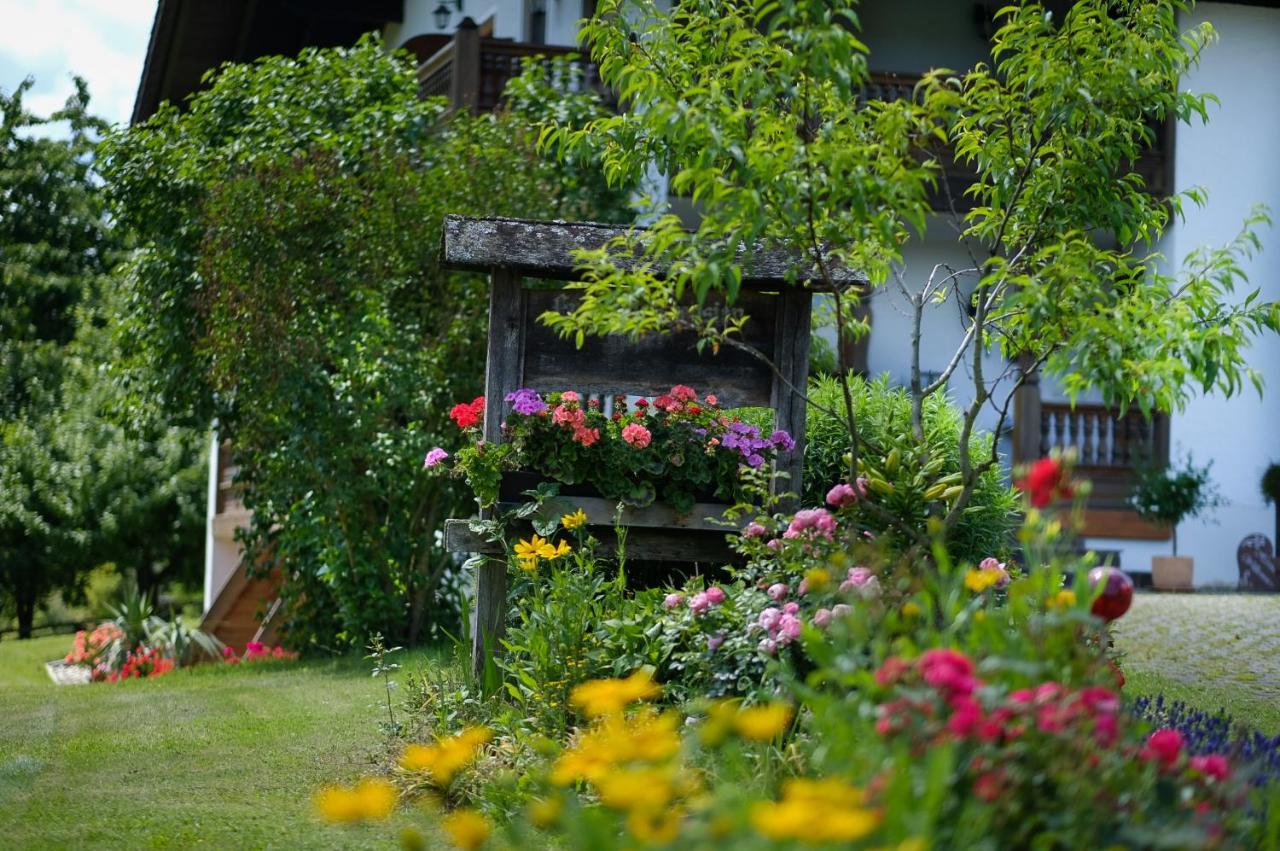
<point>1206,640</point>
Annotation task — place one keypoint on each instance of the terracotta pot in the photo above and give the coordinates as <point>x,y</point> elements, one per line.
<point>1171,573</point>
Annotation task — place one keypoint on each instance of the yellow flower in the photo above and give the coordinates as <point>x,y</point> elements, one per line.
<point>528,552</point>
<point>562,549</point>
<point>980,580</point>
<point>911,609</point>
<point>658,828</point>
<point>720,720</point>
<point>608,697</point>
<point>762,723</point>
<point>647,789</point>
<point>574,520</point>
<point>815,811</point>
<point>617,741</point>
<point>444,759</point>
<point>467,828</point>
<point>1064,599</point>
<point>817,579</point>
<point>545,812</point>
<point>372,798</point>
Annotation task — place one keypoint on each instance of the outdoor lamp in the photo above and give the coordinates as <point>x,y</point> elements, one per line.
<point>442,15</point>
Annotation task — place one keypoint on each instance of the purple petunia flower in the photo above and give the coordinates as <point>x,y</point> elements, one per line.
<point>783,441</point>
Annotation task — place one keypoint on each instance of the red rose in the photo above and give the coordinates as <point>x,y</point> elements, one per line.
<point>1163,747</point>
<point>1045,482</point>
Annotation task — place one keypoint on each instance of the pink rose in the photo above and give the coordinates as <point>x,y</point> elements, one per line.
<point>842,495</point>
<point>840,610</point>
<point>715,595</point>
<point>754,530</point>
<point>778,592</point>
<point>788,628</point>
<point>822,618</point>
<point>767,646</point>
<point>699,603</point>
<point>672,600</point>
<point>769,618</point>
<point>791,608</point>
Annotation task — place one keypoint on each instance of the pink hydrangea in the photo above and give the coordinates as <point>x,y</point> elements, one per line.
<point>699,603</point>
<point>778,592</point>
<point>715,595</point>
<point>636,435</point>
<point>672,600</point>
<point>435,457</point>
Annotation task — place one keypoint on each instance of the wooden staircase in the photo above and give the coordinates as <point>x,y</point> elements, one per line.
<point>246,609</point>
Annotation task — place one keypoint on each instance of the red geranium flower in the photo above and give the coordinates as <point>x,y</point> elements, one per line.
<point>468,415</point>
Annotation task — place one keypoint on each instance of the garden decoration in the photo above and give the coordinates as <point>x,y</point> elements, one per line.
<point>1169,495</point>
<point>1116,595</point>
<point>1259,569</point>
<point>528,361</point>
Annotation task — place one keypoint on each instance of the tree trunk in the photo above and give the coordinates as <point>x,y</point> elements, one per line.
<point>26,604</point>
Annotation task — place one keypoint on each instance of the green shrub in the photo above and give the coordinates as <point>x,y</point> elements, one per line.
<point>888,451</point>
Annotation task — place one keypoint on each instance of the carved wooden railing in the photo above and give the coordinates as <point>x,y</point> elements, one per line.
<point>473,70</point>
<point>1108,446</point>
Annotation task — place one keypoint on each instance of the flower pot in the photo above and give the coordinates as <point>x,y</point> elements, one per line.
<point>1171,573</point>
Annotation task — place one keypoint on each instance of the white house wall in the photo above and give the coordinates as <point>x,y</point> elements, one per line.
<point>1234,158</point>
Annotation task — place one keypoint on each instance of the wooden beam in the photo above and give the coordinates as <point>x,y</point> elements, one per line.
<point>643,544</point>
<point>546,250</point>
<point>791,360</point>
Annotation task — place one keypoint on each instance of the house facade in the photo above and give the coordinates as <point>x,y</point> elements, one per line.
<point>467,49</point>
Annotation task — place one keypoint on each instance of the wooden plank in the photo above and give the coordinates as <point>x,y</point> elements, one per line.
<point>791,360</point>
<point>546,250</point>
<point>653,364</point>
<point>503,366</point>
<point>1122,524</point>
<point>643,544</point>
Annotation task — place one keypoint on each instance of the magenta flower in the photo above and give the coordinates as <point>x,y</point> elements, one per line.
<point>435,457</point>
<point>788,628</point>
<point>1212,765</point>
<point>715,595</point>
<point>791,608</point>
<point>699,603</point>
<point>822,618</point>
<point>769,618</point>
<point>1163,747</point>
<point>778,592</point>
<point>841,495</point>
<point>754,530</point>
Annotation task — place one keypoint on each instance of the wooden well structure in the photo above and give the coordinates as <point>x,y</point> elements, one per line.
<point>520,257</point>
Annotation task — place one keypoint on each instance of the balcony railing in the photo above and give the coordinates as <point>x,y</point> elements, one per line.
<point>473,70</point>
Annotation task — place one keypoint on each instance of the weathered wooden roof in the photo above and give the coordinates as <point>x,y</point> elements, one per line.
<point>546,250</point>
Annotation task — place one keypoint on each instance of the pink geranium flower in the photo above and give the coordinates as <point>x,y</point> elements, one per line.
<point>435,457</point>
<point>636,435</point>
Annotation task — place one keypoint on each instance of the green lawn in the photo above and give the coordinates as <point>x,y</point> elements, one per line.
<point>216,757</point>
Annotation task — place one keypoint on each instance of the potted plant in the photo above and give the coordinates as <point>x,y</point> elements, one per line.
<point>1271,493</point>
<point>1167,496</point>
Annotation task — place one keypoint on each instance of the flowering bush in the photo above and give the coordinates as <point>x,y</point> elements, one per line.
<point>94,648</point>
<point>680,447</point>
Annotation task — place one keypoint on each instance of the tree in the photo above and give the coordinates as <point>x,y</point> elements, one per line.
<point>756,110</point>
<point>80,483</point>
<point>289,286</point>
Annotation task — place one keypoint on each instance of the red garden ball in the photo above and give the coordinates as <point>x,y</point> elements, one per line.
<point>1117,592</point>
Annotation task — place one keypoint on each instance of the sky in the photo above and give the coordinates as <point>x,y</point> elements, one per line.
<point>104,41</point>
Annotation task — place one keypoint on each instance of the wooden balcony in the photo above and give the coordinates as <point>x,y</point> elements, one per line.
<point>473,69</point>
<point>1155,165</point>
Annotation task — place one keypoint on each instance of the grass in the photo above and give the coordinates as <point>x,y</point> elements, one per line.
<point>214,757</point>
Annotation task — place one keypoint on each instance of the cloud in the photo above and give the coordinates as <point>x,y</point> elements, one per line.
<point>104,41</point>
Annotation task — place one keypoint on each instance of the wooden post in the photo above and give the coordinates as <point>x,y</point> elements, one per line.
<point>464,87</point>
<point>504,366</point>
<point>1026,418</point>
<point>791,358</point>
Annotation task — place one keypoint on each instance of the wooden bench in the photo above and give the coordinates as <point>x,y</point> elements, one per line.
<point>525,353</point>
